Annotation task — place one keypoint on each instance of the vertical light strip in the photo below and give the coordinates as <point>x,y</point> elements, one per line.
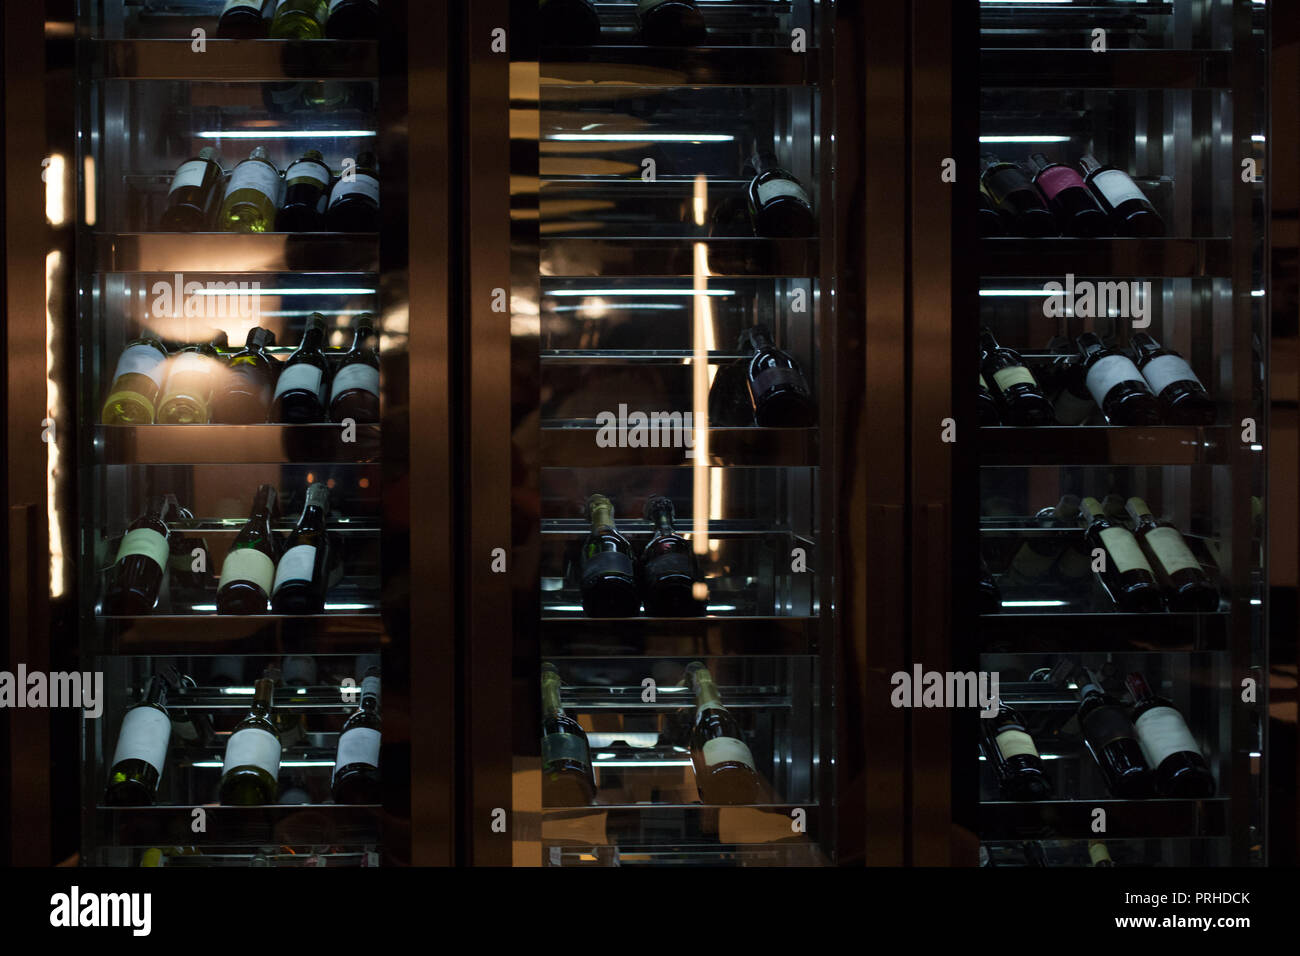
<point>89,179</point>
<point>55,177</point>
<point>53,266</point>
<point>702,329</point>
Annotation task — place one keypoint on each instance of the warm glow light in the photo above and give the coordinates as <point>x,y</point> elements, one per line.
<point>702,343</point>
<point>56,178</point>
<point>53,266</point>
<point>700,200</point>
<point>91,201</point>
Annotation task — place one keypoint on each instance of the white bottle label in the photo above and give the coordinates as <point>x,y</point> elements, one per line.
<point>1013,743</point>
<point>248,564</point>
<point>1124,550</point>
<point>775,188</point>
<point>296,565</point>
<point>1117,187</point>
<point>190,173</point>
<point>147,542</point>
<point>335,3</point>
<point>1108,372</point>
<point>255,174</point>
<point>1013,375</point>
<point>727,750</point>
<point>358,745</point>
<point>141,360</point>
<point>183,362</point>
<point>253,747</point>
<point>1162,732</point>
<point>364,183</point>
<point>301,377</point>
<point>145,734</point>
<point>307,169</point>
<point>1164,370</point>
<point>357,375</point>
<point>1171,550</point>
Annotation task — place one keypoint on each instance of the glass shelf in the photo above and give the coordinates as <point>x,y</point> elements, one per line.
<point>628,65</point>
<point>231,60</point>
<point>1055,257</point>
<point>231,444</point>
<point>609,256</point>
<point>1003,446</point>
<point>1081,68</point>
<point>280,825</point>
<point>229,252</point>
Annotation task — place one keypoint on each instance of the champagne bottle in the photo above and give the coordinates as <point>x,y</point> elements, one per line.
<point>300,20</point>
<point>1017,198</point>
<point>724,767</point>
<point>1068,197</point>
<point>300,577</point>
<point>244,394</point>
<point>1180,768</point>
<point>1130,212</point>
<point>608,582</point>
<point>195,193</point>
<point>352,20</point>
<point>1021,400</point>
<point>248,573</point>
<point>244,19</point>
<point>356,766</point>
<point>193,374</point>
<point>303,385</point>
<point>252,195</point>
<point>1014,756</point>
<point>567,778</point>
<point>1115,384</point>
<point>568,22</point>
<point>779,207</point>
<point>141,565</point>
<point>671,23</point>
<point>136,382</point>
<point>354,200</point>
<point>1185,582</point>
<point>778,391</point>
<point>141,749</point>
<point>1181,395</point>
<point>667,566</point>
<point>1112,740</point>
<point>988,408</point>
<point>1126,575</point>
<point>306,185</point>
<point>355,392</point>
<point>251,769</point>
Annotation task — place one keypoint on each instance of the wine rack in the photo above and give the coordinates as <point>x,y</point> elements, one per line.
<point>148,100</point>
<point>1174,101</point>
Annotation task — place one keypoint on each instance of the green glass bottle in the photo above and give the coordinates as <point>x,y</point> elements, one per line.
<point>141,749</point>
<point>251,770</point>
<point>252,195</point>
<point>137,381</point>
<point>300,20</point>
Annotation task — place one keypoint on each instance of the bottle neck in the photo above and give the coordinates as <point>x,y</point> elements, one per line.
<point>361,339</point>
<point>370,694</point>
<point>1092,510</point>
<point>313,337</point>
<point>1139,511</point>
<point>1089,164</point>
<point>760,338</point>
<point>706,690</point>
<point>313,511</point>
<point>155,693</point>
<point>1139,688</point>
<point>264,502</point>
<point>601,511</point>
<point>660,514</point>
<point>157,509</point>
<point>551,694</point>
<point>263,691</point>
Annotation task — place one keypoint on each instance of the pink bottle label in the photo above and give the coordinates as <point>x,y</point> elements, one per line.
<point>1057,178</point>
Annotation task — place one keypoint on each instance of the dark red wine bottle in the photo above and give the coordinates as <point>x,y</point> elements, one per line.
<point>1011,751</point>
<point>1016,196</point>
<point>1021,400</point>
<point>1130,212</point>
<point>1115,384</point>
<point>1112,740</point>
<point>1068,197</point>
<point>779,206</point>
<point>1181,395</point>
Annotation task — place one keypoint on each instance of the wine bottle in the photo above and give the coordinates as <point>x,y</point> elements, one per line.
<point>306,185</point>
<point>1115,384</point>
<point>729,403</point>
<point>248,573</point>
<point>724,767</point>
<point>991,222</point>
<point>303,386</point>
<point>671,23</point>
<point>352,20</point>
<point>1011,752</point>
<point>137,381</point>
<point>778,392</point>
<point>141,565</point>
<point>300,577</point>
<point>1013,385</point>
<point>1112,740</point>
<point>191,727</point>
<point>990,596</point>
<point>568,22</point>
<point>779,207</point>
<point>354,200</point>
<point>1099,854</point>
<point>192,377</point>
<point>988,408</point>
<point>1130,212</point>
<point>567,778</point>
<point>355,392</point>
<point>667,566</point>
<point>141,749</point>
<point>1181,395</point>
<point>252,195</point>
<point>244,394</point>
<point>1070,396</point>
<point>608,578</point>
<point>244,19</point>
<point>1180,768</point>
<point>1036,557</point>
<point>251,769</point>
<point>356,766</point>
<point>1068,197</point>
<point>195,193</point>
<point>1125,573</point>
<point>1186,584</point>
<point>300,20</point>
<point>1017,197</point>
